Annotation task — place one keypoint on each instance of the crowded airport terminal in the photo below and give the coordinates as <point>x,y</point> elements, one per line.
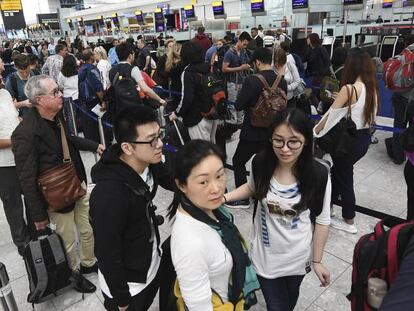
<point>200,155</point>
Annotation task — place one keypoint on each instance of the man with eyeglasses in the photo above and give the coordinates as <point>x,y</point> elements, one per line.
<point>37,147</point>
<point>123,217</point>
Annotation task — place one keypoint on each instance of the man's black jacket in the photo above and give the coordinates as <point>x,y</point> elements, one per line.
<point>120,221</point>
<point>37,146</point>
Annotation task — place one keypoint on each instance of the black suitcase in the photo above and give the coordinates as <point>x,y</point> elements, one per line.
<point>47,267</point>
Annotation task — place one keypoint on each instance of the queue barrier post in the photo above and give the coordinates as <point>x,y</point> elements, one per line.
<point>7,301</point>
<point>72,117</point>
<point>101,132</point>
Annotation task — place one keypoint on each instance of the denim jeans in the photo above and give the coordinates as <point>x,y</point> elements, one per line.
<point>281,294</point>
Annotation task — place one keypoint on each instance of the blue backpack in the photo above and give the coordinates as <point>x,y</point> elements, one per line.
<point>86,91</point>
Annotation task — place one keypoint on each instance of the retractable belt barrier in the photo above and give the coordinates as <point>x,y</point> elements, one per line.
<point>170,148</point>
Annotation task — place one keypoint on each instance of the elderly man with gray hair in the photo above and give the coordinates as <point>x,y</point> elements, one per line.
<point>37,147</point>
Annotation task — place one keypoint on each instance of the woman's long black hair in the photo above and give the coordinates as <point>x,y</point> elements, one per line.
<point>69,66</point>
<point>188,157</point>
<point>304,167</point>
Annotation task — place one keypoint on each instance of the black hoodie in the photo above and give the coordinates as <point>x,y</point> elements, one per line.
<point>190,107</point>
<point>120,209</point>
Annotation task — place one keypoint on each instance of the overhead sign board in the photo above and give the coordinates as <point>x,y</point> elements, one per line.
<point>218,9</point>
<point>300,6</point>
<point>115,20</point>
<point>387,4</point>
<point>139,17</point>
<point>353,4</point>
<point>158,14</point>
<point>49,20</point>
<point>12,13</point>
<point>70,3</point>
<point>257,7</point>
<point>189,11</point>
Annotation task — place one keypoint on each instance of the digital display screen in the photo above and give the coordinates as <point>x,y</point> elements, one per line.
<point>159,26</point>
<point>388,41</point>
<point>257,6</point>
<point>300,4</point>
<point>351,2</point>
<point>158,15</point>
<point>218,8</point>
<point>101,21</point>
<point>387,4</point>
<point>189,11</point>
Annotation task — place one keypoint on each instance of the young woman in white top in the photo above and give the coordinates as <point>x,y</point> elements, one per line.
<point>291,190</point>
<point>68,82</point>
<point>359,79</point>
<point>206,247</point>
<point>104,66</point>
<point>288,69</point>
<point>10,192</point>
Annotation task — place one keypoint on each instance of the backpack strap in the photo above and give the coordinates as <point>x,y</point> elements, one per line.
<point>276,83</point>
<point>41,272</point>
<point>56,247</point>
<point>262,79</point>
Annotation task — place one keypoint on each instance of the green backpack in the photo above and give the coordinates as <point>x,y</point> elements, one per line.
<point>330,84</point>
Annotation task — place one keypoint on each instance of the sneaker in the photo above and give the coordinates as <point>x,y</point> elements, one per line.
<point>243,204</point>
<point>82,285</point>
<point>340,224</point>
<point>87,270</point>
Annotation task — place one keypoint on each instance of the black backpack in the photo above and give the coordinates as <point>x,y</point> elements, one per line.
<point>212,97</point>
<point>121,94</point>
<point>47,267</point>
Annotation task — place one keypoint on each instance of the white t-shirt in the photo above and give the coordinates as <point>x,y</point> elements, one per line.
<point>201,261</point>
<point>136,288</point>
<point>69,86</point>
<point>9,120</point>
<point>282,245</point>
<point>104,67</point>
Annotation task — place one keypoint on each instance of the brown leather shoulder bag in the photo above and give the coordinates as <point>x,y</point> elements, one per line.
<point>60,185</point>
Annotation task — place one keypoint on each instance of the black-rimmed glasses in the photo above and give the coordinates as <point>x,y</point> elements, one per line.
<point>292,144</point>
<point>153,142</point>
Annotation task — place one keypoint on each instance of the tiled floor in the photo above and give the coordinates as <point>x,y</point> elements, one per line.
<point>379,185</point>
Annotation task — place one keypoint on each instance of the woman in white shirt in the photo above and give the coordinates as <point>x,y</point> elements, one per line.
<point>68,82</point>
<point>104,66</point>
<point>207,250</point>
<point>291,190</point>
<point>359,79</point>
<point>286,66</point>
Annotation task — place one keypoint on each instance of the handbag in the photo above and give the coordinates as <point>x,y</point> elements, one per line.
<point>60,185</point>
<point>340,141</point>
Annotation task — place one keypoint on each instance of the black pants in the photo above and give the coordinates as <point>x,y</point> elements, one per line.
<point>342,174</point>
<point>140,302</point>
<point>11,196</point>
<point>409,179</point>
<point>245,150</point>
